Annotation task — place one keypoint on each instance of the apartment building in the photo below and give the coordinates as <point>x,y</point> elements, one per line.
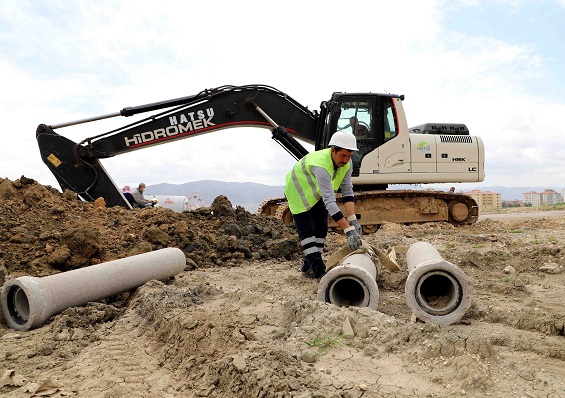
<point>547,197</point>
<point>486,199</point>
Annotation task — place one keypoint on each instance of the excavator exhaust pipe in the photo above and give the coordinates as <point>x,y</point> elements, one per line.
<point>353,283</point>
<point>27,302</point>
<point>436,290</point>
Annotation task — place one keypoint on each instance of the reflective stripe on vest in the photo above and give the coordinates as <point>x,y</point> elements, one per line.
<point>301,189</point>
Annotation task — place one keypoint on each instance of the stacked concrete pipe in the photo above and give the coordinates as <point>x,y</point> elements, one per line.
<point>436,290</point>
<point>352,283</point>
<point>27,302</point>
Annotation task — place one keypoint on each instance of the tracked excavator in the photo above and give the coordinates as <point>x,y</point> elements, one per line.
<point>389,151</point>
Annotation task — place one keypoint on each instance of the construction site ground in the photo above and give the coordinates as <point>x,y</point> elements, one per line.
<point>241,321</point>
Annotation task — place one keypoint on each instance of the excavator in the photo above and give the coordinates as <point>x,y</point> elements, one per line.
<point>389,151</point>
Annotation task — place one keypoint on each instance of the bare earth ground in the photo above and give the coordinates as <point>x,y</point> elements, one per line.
<point>242,322</point>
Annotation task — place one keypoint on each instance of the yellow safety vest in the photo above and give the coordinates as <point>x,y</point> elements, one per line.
<point>301,189</point>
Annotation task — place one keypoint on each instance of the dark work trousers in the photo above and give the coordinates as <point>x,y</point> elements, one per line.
<point>312,227</point>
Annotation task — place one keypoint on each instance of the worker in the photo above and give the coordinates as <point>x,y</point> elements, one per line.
<point>126,191</point>
<point>310,191</point>
<point>139,199</point>
<point>360,130</point>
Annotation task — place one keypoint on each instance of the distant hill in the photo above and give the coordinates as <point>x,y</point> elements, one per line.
<point>249,194</point>
<point>245,194</point>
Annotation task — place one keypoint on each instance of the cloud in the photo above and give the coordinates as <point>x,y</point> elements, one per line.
<point>65,61</point>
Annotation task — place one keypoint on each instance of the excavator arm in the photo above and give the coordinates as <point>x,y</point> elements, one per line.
<point>76,166</point>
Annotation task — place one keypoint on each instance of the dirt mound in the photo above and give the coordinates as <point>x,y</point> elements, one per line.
<point>43,231</point>
<point>241,321</point>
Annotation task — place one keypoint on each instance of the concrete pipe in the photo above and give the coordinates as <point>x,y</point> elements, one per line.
<point>27,301</point>
<point>352,283</point>
<point>436,290</point>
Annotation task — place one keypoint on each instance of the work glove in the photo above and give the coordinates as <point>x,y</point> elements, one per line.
<point>354,223</point>
<point>353,238</point>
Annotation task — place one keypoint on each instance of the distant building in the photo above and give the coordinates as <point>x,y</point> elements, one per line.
<point>547,197</point>
<point>513,203</point>
<point>486,199</point>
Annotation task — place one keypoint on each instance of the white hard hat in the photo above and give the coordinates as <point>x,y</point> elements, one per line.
<point>344,140</point>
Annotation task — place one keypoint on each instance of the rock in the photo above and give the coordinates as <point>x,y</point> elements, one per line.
<point>239,363</point>
<point>551,268</point>
<point>310,356</point>
<point>282,248</point>
<point>222,207</point>
<point>84,243</point>
<point>346,328</point>
<point>100,203</point>
<point>69,195</point>
<point>190,264</point>
<point>59,256</point>
<point>509,270</point>
<point>7,190</point>
<point>157,236</point>
<point>233,230</point>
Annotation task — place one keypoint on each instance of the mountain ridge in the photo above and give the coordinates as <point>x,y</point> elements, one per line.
<point>250,194</point>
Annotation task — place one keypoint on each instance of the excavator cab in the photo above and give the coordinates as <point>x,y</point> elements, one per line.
<point>370,117</point>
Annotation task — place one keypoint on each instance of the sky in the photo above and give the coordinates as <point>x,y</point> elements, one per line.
<point>496,66</point>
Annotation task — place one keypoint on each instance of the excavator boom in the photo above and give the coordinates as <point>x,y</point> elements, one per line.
<point>77,166</point>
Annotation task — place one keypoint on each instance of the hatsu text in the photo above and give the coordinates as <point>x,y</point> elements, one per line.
<point>183,124</point>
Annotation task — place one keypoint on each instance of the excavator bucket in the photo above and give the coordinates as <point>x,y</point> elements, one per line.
<point>84,175</point>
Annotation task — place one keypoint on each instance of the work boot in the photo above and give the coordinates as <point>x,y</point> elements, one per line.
<point>319,272</point>
<point>309,273</point>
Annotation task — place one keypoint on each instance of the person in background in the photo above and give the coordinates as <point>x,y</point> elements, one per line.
<point>310,191</point>
<point>360,130</point>
<point>126,191</point>
<point>139,199</point>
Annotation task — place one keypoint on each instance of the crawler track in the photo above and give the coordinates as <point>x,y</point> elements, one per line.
<point>399,206</point>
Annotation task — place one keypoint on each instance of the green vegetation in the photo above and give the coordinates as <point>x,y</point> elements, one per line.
<point>552,239</point>
<point>506,279</point>
<point>326,341</point>
<point>516,231</point>
<point>536,240</point>
<point>557,206</point>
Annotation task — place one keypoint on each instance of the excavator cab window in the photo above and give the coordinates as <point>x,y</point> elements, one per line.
<point>390,129</point>
<point>371,117</point>
<point>357,117</point>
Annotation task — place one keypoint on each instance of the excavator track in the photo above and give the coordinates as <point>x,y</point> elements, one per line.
<point>398,206</point>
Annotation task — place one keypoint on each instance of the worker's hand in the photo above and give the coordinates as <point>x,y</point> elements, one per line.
<point>354,223</point>
<point>353,238</point>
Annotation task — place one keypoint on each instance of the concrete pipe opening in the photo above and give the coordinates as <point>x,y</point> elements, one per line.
<point>349,286</point>
<point>438,293</point>
<point>436,290</point>
<point>348,291</point>
<point>18,305</point>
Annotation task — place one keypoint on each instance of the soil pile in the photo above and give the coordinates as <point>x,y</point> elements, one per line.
<point>241,321</point>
